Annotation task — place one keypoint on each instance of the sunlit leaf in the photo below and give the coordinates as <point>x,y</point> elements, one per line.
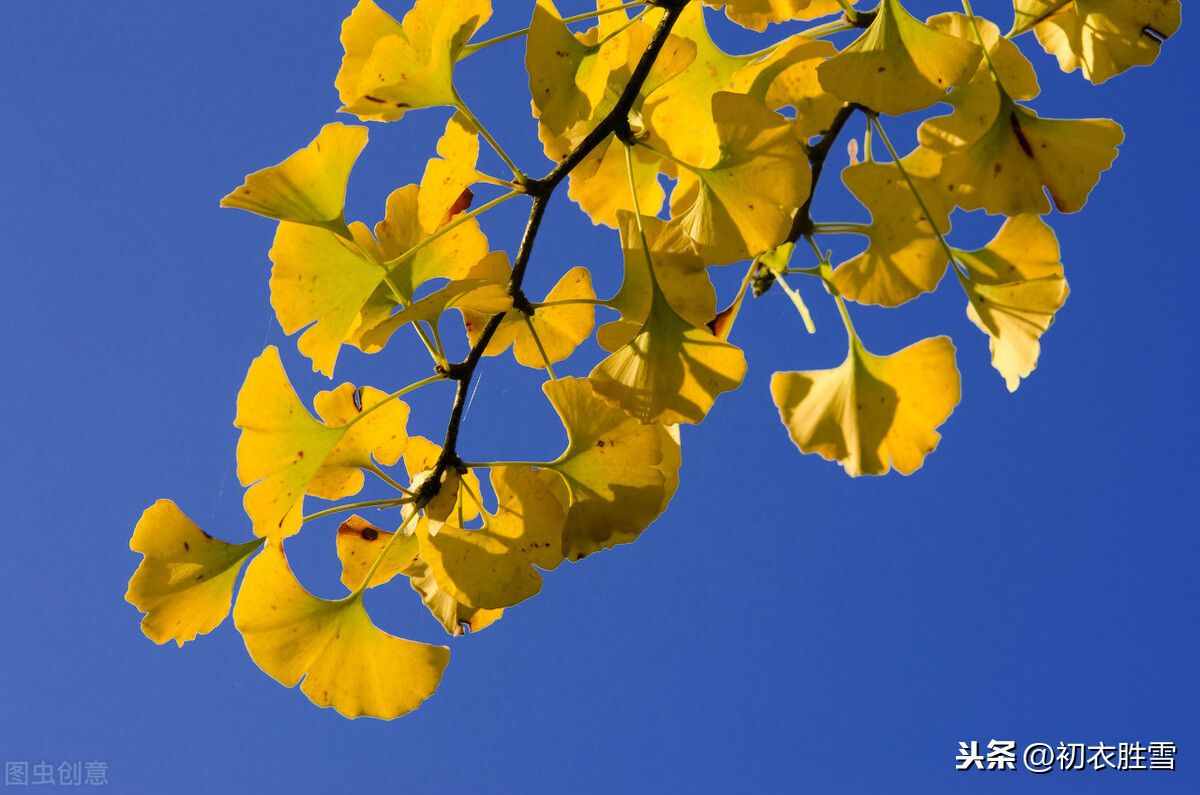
<point>904,258</point>
<point>1014,287</point>
<point>1102,38</point>
<point>561,328</point>
<point>872,413</point>
<point>757,14</point>
<point>568,72</point>
<point>359,544</point>
<point>1021,156</point>
<point>284,452</point>
<point>344,660</point>
<point>390,67</point>
<point>309,187</point>
<point>448,177</point>
<point>742,204</point>
<point>620,473</point>
<point>786,77</point>
<point>899,64</point>
<point>184,583</point>
<point>496,565</point>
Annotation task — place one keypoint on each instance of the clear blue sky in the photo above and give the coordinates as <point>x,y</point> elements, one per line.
<point>782,629</point>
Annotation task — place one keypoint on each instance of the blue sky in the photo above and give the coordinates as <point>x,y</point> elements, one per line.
<point>783,628</point>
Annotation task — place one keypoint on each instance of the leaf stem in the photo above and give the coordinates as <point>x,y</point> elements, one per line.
<point>375,469</point>
<point>538,342</point>
<point>475,47</point>
<point>541,190</point>
<point>518,175</point>
<point>846,228</point>
<point>887,142</point>
<point>346,507</point>
<point>458,220</point>
<point>399,393</point>
<point>567,302</point>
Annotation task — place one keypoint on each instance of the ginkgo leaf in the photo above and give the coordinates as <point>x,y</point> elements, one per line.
<point>786,77</point>
<point>742,204</point>
<point>1021,156</point>
<point>680,275</point>
<point>184,583</point>
<point>454,616</point>
<point>459,494</point>
<point>1004,60</point>
<point>620,473</point>
<point>359,544</point>
<point>448,176</point>
<point>561,328</point>
<point>1014,286</point>
<point>284,453</point>
<point>344,660</point>
<point>568,72</point>
<point>757,14</point>
<point>390,67</point>
<point>678,114</point>
<point>670,372</point>
<point>450,256</point>
<point>1102,38</point>
<point>905,257</point>
<point>899,64</point>
<point>309,187</point>
<point>340,289</point>
<point>872,413</point>
<point>476,296</point>
<point>320,282</point>
<point>599,184</point>
<point>496,565</point>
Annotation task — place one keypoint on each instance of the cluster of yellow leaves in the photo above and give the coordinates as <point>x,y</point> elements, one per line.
<point>734,133</point>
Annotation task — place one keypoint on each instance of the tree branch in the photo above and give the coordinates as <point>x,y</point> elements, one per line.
<point>802,224</point>
<point>541,190</point>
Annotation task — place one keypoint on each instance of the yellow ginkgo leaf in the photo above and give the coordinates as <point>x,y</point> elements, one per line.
<point>476,296</point>
<point>184,583</point>
<point>344,660</point>
<point>599,184</point>
<point>905,258</point>
<point>454,616</point>
<point>402,256</point>
<point>620,473</point>
<point>742,204</point>
<point>448,176</point>
<point>1014,286</point>
<point>678,271</point>
<point>284,453</point>
<point>562,325</point>
<point>1101,37</point>
<point>496,565</point>
<point>459,495</point>
<point>670,372</point>
<point>872,413</point>
<point>678,113</point>
<point>309,187</point>
<point>450,256</point>
<point>391,67</point>
<point>1021,156</point>
<point>320,282</point>
<point>899,64</point>
<point>1004,59</point>
<point>359,544</point>
<point>757,14</point>
<point>568,72</point>
<point>786,77</point>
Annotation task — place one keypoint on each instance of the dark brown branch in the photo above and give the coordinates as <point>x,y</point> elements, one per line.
<point>541,190</point>
<point>802,224</point>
